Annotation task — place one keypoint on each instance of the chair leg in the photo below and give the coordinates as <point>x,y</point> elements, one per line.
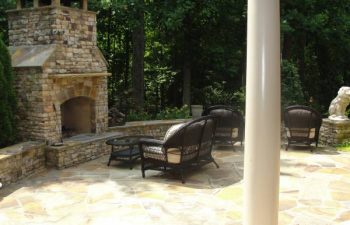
<point>182,176</point>
<point>233,147</point>
<point>216,164</point>
<point>287,146</point>
<point>143,169</point>
<point>130,162</point>
<point>109,161</point>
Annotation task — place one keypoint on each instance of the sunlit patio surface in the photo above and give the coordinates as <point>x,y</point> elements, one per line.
<point>314,190</point>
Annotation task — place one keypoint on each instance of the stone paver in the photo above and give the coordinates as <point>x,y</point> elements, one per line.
<point>314,190</point>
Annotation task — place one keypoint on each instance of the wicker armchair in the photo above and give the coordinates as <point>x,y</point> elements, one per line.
<point>302,125</point>
<point>230,125</point>
<point>184,147</point>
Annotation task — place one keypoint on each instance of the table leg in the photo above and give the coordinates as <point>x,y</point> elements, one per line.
<point>110,157</point>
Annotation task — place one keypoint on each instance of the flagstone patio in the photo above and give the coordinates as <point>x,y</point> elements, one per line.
<point>314,190</point>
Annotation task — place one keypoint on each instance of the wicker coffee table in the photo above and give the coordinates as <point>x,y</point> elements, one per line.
<point>125,148</point>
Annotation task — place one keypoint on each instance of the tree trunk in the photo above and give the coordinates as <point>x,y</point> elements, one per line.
<point>109,34</point>
<point>187,63</point>
<point>127,58</point>
<point>138,40</point>
<point>186,95</point>
<point>126,70</point>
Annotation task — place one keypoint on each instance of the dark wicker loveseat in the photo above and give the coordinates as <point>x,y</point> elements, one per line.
<point>184,147</point>
<point>302,125</point>
<point>230,125</point>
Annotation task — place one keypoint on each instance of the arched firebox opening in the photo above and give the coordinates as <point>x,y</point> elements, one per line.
<point>78,116</point>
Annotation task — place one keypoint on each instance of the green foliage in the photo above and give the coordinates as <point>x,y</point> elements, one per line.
<point>211,37</point>
<point>216,94</point>
<point>291,91</point>
<point>316,38</point>
<point>167,113</point>
<point>344,147</point>
<point>7,99</point>
<point>138,116</point>
<point>174,113</point>
<point>217,39</point>
<point>5,5</point>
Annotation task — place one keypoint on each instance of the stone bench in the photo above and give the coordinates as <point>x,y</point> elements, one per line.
<point>28,158</point>
<point>21,160</point>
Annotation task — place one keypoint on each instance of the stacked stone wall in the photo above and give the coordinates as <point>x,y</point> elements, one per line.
<point>334,132</point>
<point>71,31</point>
<point>20,161</point>
<point>95,88</point>
<point>76,152</point>
<point>31,27</point>
<point>31,121</point>
<point>40,98</point>
<point>156,128</point>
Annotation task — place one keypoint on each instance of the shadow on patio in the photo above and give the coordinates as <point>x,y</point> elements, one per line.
<point>314,187</point>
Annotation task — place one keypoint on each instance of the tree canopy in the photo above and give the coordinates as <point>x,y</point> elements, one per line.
<point>195,51</point>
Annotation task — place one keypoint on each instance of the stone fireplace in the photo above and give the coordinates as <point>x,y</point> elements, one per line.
<point>61,75</point>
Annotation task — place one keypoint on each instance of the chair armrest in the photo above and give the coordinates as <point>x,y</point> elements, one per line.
<point>148,141</point>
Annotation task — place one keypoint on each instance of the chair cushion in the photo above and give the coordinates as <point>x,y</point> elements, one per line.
<point>174,155</point>
<point>301,132</point>
<point>154,152</point>
<point>172,130</point>
<point>226,132</point>
<point>235,132</point>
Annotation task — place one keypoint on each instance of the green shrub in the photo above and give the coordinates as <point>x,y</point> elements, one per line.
<point>216,94</point>
<point>174,113</point>
<point>291,91</point>
<point>138,116</point>
<point>7,99</point>
<point>166,114</point>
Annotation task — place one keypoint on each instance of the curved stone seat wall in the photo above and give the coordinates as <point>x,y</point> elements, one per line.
<point>21,160</point>
<point>28,158</point>
<point>334,132</point>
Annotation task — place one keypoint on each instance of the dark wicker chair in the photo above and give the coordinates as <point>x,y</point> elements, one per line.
<point>302,125</point>
<point>230,125</point>
<point>184,147</point>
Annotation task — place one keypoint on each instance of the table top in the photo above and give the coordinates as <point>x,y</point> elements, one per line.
<point>126,140</point>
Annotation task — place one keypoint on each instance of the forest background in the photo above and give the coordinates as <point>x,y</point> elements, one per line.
<point>164,54</point>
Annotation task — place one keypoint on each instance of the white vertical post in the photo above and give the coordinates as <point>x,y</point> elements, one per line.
<point>262,137</point>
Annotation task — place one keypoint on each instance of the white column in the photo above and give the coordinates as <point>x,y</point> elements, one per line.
<point>262,137</point>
